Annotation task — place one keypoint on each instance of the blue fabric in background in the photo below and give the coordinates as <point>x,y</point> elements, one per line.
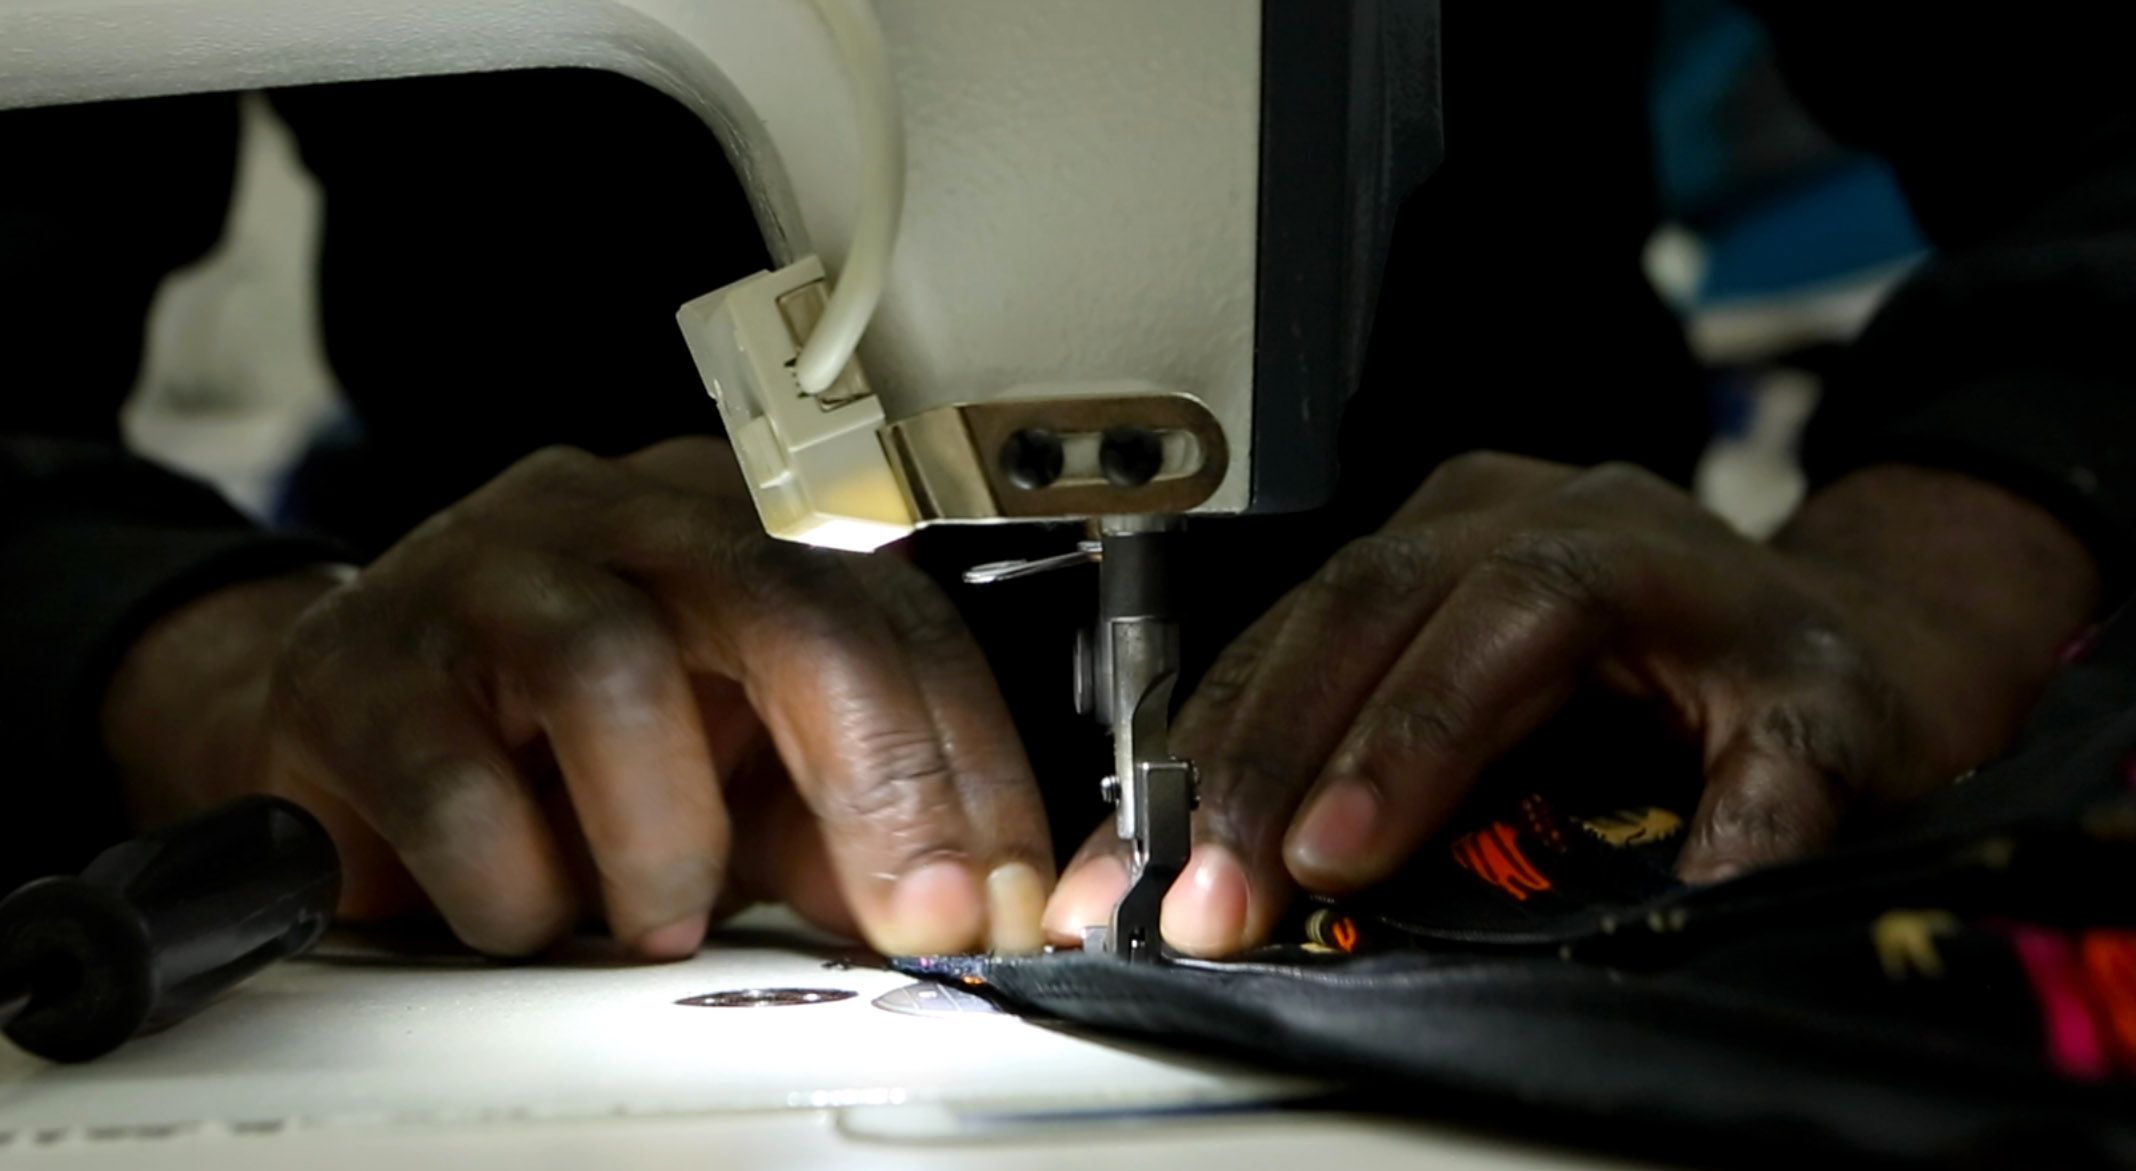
<point>1780,206</point>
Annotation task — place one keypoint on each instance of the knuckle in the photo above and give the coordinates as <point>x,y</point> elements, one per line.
<point>1470,466</point>
<point>554,464</point>
<point>564,629</point>
<point>1831,748</point>
<point>703,448</point>
<point>1564,567</point>
<point>817,581</point>
<point>666,527</point>
<point>1842,702</point>
<point>540,486</point>
<point>448,529</point>
<point>424,801</point>
<point>924,617</point>
<point>1377,570</point>
<point>610,648</point>
<point>1791,730</point>
<point>1618,480</point>
<point>658,524</point>
<point>1819,648</point>
<point>1755,819</point>
<point>906,785</point>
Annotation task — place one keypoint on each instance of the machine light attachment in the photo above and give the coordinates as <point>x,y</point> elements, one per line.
<point>813,462</point>
<point>832,469</point>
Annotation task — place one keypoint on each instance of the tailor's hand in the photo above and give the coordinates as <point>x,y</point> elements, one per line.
<point>1889,640</point>
<point>625,626</point>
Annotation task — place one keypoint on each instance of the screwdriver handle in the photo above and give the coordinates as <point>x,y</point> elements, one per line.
<point>158,926</point>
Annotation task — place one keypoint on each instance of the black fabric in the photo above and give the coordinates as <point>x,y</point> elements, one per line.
<point>1647,1064</point>
<point>1955,986</point>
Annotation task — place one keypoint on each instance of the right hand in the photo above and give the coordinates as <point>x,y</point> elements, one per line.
<point>624,625</point>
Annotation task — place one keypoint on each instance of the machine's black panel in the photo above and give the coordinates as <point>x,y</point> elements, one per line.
<point>1350,125</point>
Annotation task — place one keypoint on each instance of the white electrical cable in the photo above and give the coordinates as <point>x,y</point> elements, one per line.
<point>882,195</point>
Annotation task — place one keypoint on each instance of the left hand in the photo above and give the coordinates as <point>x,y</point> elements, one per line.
<point>1345,726</point>
<point>596,683</point>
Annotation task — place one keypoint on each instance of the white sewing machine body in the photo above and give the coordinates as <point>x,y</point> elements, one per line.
<point>1088,204</point>
<point>1082,177</point>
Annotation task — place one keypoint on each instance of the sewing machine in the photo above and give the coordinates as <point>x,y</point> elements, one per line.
<point>1109,261</point>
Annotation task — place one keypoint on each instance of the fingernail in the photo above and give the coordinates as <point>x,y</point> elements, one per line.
<point>937,908</point>
<point>1015,899</point>
<point>1205,911</point>
<point>1085,897</point>
<point>1334,839</point>
<point>676,941</point>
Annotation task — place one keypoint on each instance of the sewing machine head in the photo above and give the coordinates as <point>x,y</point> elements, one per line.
<point>1108,261</point>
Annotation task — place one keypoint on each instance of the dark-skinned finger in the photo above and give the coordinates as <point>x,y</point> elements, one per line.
<point>785,859</point>
<point>861,745</point>
<point>701,464</point>
<point>412,754</point>
<point>1776,790</point>
<point>1096,878</point>
<point>1090,887</point>
<point>375,884</point>
<point>1504,653</point>
<point>1344,630</point>
<point>1479,480</point>
<point>828,675</point>
<point>985,754</point>
<point>593,663</point>
<point>819,663</point>
<point>1209,708</point>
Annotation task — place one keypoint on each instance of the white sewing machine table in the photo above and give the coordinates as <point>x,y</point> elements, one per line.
<point>361,1057</point>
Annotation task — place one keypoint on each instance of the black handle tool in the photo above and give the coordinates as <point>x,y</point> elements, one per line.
<point>157,926</point>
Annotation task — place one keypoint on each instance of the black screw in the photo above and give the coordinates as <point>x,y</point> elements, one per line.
<point>1131,456</point>
<point>1031,458</point>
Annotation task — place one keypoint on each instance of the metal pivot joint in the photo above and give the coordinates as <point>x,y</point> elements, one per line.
<point>1132,667</point>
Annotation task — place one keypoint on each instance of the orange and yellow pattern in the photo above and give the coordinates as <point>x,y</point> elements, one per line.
<point>1493,854</point>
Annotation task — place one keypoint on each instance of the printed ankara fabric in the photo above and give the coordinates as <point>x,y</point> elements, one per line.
<point>1955,984</point>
